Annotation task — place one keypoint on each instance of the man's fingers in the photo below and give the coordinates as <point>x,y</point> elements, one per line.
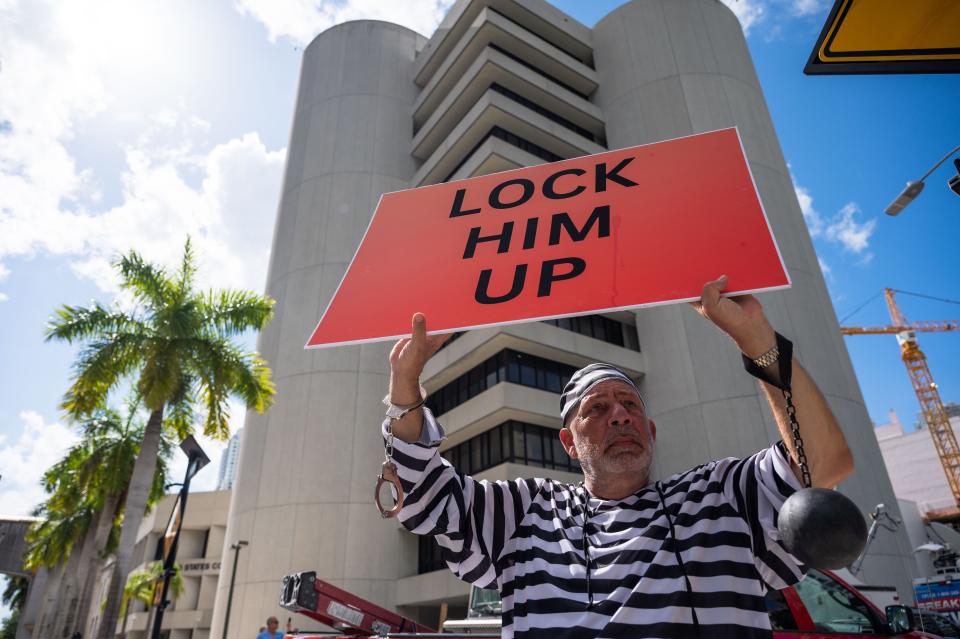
<point>436,341</point>
<point>711,292</point>
<point>419,328</point>
<point>395,351</point>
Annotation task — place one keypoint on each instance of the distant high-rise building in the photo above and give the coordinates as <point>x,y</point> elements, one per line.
<point>228,463</point>
<point>499,85</point>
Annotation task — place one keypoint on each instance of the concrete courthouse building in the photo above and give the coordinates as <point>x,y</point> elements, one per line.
<point>503,84</point>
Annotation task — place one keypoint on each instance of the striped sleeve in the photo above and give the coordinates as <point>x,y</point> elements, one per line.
<point>471,520</point>
<point>759,485</point>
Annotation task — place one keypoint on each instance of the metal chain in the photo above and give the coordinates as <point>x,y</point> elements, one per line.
<point>797,440</point>
<point>388,447</point>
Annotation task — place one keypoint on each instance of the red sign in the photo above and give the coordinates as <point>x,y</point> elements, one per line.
<point>625,229</point>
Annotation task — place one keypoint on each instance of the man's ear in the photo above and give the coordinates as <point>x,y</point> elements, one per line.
<point>566,438</point>
<point>653,429</point>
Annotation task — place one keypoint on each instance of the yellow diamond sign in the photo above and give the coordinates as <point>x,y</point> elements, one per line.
<point>889,36</point>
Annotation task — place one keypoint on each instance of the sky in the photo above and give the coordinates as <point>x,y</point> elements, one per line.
<point>133,123</point>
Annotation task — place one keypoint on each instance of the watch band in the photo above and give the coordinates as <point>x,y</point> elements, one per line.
<point>768,357</point>
<point>784,359</point>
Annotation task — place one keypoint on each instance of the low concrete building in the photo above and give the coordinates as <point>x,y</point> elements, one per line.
<point>200,548</point>
<point>913,464</point>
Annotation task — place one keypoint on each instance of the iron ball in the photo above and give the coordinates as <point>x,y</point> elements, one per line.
<point>822,528</point>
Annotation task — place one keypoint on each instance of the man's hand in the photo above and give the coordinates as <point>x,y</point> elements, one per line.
<point>743,319</point>
<point>407,359</point>
<point>740,317</point>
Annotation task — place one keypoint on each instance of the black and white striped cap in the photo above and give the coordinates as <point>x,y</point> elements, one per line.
<point>585,379</point>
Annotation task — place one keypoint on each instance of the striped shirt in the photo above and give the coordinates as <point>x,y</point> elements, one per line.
<point>526,538</point>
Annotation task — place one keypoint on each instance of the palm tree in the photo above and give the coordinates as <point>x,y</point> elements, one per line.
<point>142,586</point>
<point>86,490</point>
<point>14,596</point>
<point>177,346</point>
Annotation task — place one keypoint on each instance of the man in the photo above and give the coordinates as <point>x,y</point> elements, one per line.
<point>620,555</point>
<point>272,631</point>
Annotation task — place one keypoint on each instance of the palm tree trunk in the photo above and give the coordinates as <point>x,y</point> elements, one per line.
<point>140,483</point>
<point>91,568</point>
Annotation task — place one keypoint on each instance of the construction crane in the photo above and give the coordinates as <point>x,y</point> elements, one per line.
<point>926,389</point>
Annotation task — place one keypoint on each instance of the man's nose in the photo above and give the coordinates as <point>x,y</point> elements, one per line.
<point>619,415</point>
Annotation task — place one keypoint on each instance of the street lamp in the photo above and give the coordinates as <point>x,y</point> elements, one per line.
<point>196,459</point>
<point>913,189</point>
<point>233,577</point>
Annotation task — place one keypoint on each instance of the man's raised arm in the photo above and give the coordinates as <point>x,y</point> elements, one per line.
<point>743,320</point>
<point>407,359</point>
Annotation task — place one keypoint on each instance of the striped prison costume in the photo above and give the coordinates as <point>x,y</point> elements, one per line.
<point>703,571</point>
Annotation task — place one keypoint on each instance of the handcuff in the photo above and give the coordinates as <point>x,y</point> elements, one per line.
<point>388,471</point>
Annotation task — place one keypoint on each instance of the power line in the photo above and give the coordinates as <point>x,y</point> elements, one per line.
<point>929,297</point>
<point>857,310</point>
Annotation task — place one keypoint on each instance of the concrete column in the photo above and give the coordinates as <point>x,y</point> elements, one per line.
<point>303,495</point>
<point>670,68</point>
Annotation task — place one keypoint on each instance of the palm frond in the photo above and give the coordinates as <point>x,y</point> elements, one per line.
<point>98,368</point>
<point>232,312</point>
<point>188,270</point>
<point>245,375</point>
<point>51,540</point>
<point>73,323</point>
<point>148,282</point>
<point>160,378</point>
<point>180,414</point>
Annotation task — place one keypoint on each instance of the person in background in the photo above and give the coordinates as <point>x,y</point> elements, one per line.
<point>272,631</point>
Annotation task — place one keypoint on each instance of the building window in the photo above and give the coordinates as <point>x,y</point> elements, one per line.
<point>506,366</point>
<point>558,45</point>
<point>537,70</point>
<point>602,328</point>
<point>510,138</point>
<point>596,326</point>
<point>550,115</point>
<point>511,441</point>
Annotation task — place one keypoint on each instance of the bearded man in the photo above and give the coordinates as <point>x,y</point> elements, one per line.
<point>619,554</point>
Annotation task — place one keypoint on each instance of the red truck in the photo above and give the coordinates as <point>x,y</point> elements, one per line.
<point>822,606</point>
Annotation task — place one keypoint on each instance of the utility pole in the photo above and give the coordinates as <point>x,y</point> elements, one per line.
<point>196,459</point>
<point>233,577</point>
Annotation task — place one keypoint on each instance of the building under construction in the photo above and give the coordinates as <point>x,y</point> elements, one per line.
<point>503,84</point>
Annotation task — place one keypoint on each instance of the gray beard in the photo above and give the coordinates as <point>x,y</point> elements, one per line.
<point>599,465</point>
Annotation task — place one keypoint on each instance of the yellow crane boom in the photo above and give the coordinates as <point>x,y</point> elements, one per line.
<point>938,423</point>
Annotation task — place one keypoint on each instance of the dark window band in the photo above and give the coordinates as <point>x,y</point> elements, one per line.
<point>506,366</point>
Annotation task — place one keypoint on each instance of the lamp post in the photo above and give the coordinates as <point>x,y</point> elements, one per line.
<point>233,577</point>
<point>196,459</point>
<point>913,189</point>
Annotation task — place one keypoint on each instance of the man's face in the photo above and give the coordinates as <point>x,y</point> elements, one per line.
<point>610,433</point>
<point>272,625</point>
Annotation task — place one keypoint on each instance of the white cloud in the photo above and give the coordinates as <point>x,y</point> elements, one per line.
<point>302,20</point>
<point>60,69</point>
<point>229,214</point>
<point>806,7</point>
<point>749,12</point>
<point>844,228</point>
<point>224,199</point>
<point>848,231</point>
<point>810,214</point>
<point>824,267</point>
<point>25,459</point>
